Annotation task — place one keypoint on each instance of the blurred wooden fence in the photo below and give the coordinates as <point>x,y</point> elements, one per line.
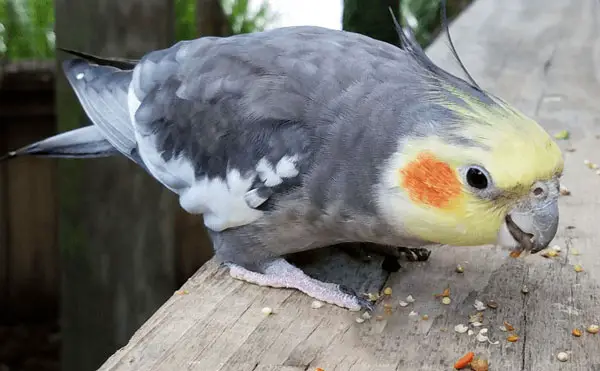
<point>29,255</point>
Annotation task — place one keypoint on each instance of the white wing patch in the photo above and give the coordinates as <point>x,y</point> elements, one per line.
<point>224,203</point>
<point>286,167</point>
<point>267,174</point>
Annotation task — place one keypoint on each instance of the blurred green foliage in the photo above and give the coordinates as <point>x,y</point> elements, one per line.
<point>423,16</point>
<point>27,26</point>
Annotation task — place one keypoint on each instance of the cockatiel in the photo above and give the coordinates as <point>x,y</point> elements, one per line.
<point>303,137</point>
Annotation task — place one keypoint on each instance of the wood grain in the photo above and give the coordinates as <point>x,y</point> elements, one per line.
<point>540,55</point>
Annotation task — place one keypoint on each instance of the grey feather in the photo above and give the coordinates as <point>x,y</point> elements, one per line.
<point>86,142</point>
<point>102,92</point>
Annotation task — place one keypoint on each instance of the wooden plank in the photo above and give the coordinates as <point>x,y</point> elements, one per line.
<point>32,257</point>
<point>528,53</point>
<point>117,222</point>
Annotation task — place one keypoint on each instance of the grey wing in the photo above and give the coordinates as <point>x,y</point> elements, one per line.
<point>102,92</point>
<point>223,137</point>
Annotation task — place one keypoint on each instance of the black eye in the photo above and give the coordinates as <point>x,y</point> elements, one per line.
<point>476,178</point>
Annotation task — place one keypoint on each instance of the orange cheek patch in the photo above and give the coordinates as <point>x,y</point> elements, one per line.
<point>430,181</point>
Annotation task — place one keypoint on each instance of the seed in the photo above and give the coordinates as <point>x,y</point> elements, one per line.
<point>576,332</point>
<point>512,338</point>
<point>360,320</point>
<point>379,318</point>
<point>578,268</point>
<point>366,315</point>
<point>479,305</point>
<point>464,361</point>
<point>564,191</point>
<point>515,253</point>
<point>316,304</point>
<point>446,300</point>
<point>508,326</point>
<point>574,252</point>
<point>562,356</point>
<point>470,332</point>
<point>550,253</point>
<point>402,303</point>
<point>425,317</point>
<point>410,299</point>
<point>479,364</point>
<point>266,311</point>
<point>524,289</point>
<point>446,292</point>
<point>586,162</point>
<point>460,269</point>
<point>319,369</point>
<point>503,328</point>
<point>593,329</point>
<point>413,313</point>
<point>388,291</point>
<point>387,306</point>
<point>492,304</point>
<point>461,329</point>
<point>556,248</point>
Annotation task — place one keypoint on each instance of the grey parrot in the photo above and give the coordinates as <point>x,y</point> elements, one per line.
<point>303,137</point>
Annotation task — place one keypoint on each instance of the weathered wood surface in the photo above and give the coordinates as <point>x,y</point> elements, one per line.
<point>541,55</point>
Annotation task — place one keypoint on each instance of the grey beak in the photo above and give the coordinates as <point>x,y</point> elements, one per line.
<point>535,228</point>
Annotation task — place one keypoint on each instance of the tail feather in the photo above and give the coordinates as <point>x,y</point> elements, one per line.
<point>86,142</point>
<point>121,63</point>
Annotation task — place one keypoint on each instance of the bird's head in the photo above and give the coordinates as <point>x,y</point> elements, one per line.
<point>477,171</point>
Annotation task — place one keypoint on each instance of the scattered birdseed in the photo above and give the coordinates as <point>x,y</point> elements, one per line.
<point>470,332</point>
<point>508,326</point>
<point>562,356</point>
<point>460,269</point>
<point>524,289</point>
<point>464,361</point>
<point>503,328</point>
<point>402,303</point>
<point>359,320</point>
<point>319,369</point>
<point>512,338</point>
<point>379,318</point>
<point>410,299</point>
<point>479,305</point>
<point>576,332</point>
<point>578,268</point>
<point>482,335</point>
<point>479,364</point>
<point>563,134</point>
<point>366,315</point>
<point>492,304</point>
<point>446,300</point>
<point>593,329</point>
<point>574,252</point>
<point>372,297</point>
<point>477,324</point>
<point>316,304</point>
<point>586,162</point>
<point>564,191</point>
<point>267,311</point>
<point>549,253</point>
<point>460,328</point>
<point>477,317</point>
<point>182,292</point>
<point>556,248</point>
<point>446,292</point>
<point>413,313</point>
<point>387,291</point>
<point>425,317</point>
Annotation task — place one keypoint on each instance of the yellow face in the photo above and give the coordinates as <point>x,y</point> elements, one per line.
<point>460,195</point>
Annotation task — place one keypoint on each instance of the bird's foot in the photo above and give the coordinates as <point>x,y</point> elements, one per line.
<point>279,273</point>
